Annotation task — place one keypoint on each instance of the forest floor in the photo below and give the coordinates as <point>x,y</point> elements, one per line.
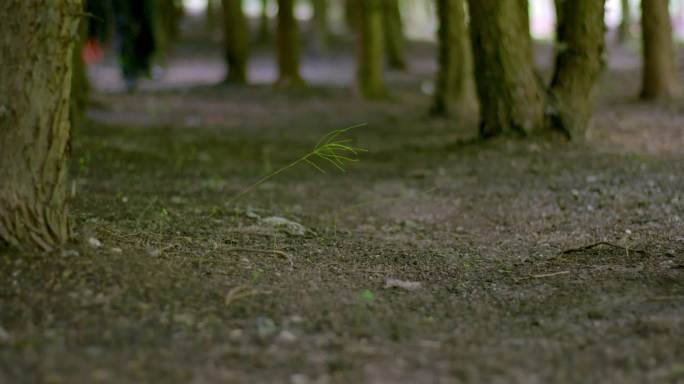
<point>435,259</point>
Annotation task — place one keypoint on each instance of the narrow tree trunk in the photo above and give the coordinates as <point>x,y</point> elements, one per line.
<point>321,27</point>
<point>558,4</point>
<point>370,41</point>
<point>394,34</point>
<point>264,35</point>
<point>578,65</point>
<point>659,79</point>
<point>288,45</point>
<point>624,29</point>
<point>235,41</point>
<point>352,14</point>
<point>511,96</point>
<point>455,75</point>
<point>36,42</point>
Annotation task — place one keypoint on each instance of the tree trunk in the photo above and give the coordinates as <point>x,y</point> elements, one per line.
<point>235,41</point>
<point>510,93</point>
<point>370,41</point>
<point>578,65</point>
<point>288,45</point>
<point>394,34</point>
<point>659,79</point>
<point>264,35</point>
<point>321,27</point>
<point>624,29</point>
<point>455,75</point>
<point>352,14</point>
<point>36,42</point>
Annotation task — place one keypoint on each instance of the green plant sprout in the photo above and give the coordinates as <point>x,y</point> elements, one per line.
<point>332,148</point>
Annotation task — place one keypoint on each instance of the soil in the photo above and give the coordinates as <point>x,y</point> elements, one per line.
<point>518,260</point>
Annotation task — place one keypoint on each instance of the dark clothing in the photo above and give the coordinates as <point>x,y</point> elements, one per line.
<point>133,20</point>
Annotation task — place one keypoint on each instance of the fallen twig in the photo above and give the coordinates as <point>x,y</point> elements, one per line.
<point>598,244</point>
<point>266,251</point>
<point>549,274</point>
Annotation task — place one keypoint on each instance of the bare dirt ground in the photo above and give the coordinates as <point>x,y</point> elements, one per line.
<point>518,260</point>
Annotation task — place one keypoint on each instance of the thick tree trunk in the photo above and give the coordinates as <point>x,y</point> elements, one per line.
<point>235,41</point>
<point>455,75</point>
<point>371,47</point>
<point>659,79</point>
<point>578,65</point>
<point>36,42</point>
<point>288,45</point>
<point>394,34</point>
<point>510,93</point>
<point>624,29</point>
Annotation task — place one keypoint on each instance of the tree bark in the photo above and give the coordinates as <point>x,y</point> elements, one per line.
<point>510,93</point>
<point>288,45</point>
<point>235,41</point>
<point>624,29</point>
<point>371,47</point>
<point>578,65</point>
<point>36,42</point>
<point>455,74</point>
<point>394,34</point>
<point>659,76</point>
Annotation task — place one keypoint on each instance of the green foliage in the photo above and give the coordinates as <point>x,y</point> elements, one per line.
<point>332,148</point>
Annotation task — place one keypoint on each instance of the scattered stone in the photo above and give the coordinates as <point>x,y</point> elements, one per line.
<point>299,378</point>
<point>286,336</point>
<point>407,285</point>
<point>290,227</point>
<point>176,200</point>
<point>154,252</point>
<point>5,337</point>
<point>95,243</point>
<point>116,250</point>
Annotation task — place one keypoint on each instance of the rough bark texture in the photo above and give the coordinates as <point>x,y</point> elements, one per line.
<point>624,29</point>
<point>455,75</point>
<point>371,47</point>
<point>660,71</point>
<point>394,34</point>
<point>235,41</point>
<point>288,45</point>
<point>578,65</point>
<point>511,96</point>
<point>36,39</point>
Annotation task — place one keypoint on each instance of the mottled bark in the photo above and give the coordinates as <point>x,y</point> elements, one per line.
<point>454,83</point>
<point>578,65</point>
<point>659,76</point>
<point>394,34</point>
<point>288,45</point>
<point>371,47</point>
<point>235,41</point>
<point>36,42</point>
<point>511,96</point>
